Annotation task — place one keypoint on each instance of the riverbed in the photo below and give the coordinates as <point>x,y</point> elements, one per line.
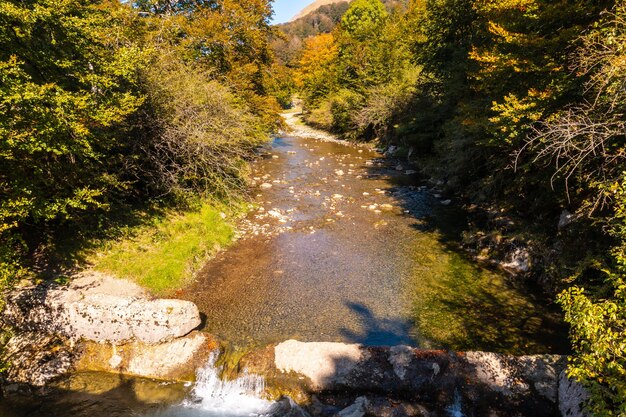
<point>348,246</point>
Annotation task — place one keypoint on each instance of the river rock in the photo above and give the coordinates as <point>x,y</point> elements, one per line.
<point>522,375</point>
<point>286,407</point>
<point>358,409</point>
<point>518,261</point>
<point>37,359</point>
<point>478,383</point>
<point>566,219</point>
<point>175,360</point>
<point>383,407</point>
<point>325,364</point>
<point>78,313</point>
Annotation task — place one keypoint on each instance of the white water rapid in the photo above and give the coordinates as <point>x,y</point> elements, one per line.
<point>213,397</point>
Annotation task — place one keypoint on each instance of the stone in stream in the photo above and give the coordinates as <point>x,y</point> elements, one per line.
<point>265,185</point>
<point>358,409</point>
<point>286,407</point>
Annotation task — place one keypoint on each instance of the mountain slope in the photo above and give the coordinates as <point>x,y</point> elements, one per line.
<point>314,6</point>
<point>321,16</point>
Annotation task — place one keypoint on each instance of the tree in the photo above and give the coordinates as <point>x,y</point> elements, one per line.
<point>317,73</point>
<point>363,18</point>
<point>585,141</point>
<point>66,85</point>
<point>85,124</point>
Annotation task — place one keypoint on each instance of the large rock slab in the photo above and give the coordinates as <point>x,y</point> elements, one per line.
<point>107,310</point>
<point>176,360</point>
<point>325,364</point>
<point>37,359</point>
<point>474,383</point>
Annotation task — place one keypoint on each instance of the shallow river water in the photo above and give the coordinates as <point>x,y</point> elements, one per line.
<point>344,246</point>
<point>358,252</point>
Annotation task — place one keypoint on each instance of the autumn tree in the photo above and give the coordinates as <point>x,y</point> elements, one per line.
<point>106,105</point>
<point>585,143</point>
<point>317,70</point>
<point>67,84</point>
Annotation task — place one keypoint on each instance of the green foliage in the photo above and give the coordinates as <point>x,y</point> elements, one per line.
<point>196,134</point>
<point>162,254</point>
<point>102,107</point>
<point>64,91</point>
<point>598,325</point>
<point>343,106</point>
<point>599,338</point>
<point>358,80</point>
<point>363,18</point>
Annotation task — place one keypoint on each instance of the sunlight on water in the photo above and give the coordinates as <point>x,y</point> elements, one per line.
<point>212,396</point>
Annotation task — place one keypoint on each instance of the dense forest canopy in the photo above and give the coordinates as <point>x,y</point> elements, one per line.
<point>324,19</point>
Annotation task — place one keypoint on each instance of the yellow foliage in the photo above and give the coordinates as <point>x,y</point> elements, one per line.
<point>505,6</point>
<point>317,65</point>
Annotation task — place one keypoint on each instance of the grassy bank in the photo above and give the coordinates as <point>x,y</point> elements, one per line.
<point>164,252</point>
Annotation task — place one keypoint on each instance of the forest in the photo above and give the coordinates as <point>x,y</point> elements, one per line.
<point>518,106</point>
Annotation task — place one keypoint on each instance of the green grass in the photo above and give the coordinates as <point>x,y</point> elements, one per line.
<point>164,253</point>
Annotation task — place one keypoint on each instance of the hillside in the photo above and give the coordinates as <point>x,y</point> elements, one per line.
<point>314,6</point>
<point>321,16</point>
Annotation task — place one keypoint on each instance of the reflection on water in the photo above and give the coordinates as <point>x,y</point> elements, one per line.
<point>363,257</point>
<point>93,394</point>
<point>458,305</point>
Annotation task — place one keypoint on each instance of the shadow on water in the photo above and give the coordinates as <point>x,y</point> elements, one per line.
<point>377,331</point>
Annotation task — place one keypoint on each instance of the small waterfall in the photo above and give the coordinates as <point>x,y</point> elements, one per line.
<point>456,409</point>
<point>213,397</point>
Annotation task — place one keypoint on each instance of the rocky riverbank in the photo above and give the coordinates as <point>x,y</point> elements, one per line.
<point>312,197</point>
<point>98,323</point>
<point>403,381</point>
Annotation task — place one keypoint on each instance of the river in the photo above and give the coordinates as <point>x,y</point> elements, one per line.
<point>348,246</point>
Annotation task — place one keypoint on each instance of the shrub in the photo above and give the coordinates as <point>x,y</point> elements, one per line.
<point>344,106</point>
<point>385,102</point>
<point>196,135</point>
